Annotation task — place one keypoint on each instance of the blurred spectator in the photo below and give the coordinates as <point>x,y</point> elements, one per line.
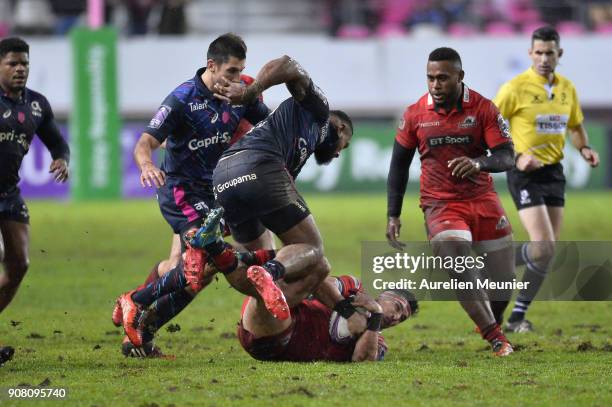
<point>599,12</point>
<point>173,20</point>
<point>67,14</point>
<point>32,17</point>
<point>6,13</point>
<point>138,16</point>
<point>362,13</point>
<point>553,12</point>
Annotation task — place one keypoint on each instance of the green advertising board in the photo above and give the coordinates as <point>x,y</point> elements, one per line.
<point>94,120</point>
<point>364,166</point>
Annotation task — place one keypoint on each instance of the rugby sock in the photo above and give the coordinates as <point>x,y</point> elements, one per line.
<point>257,257</point>
<point>170,282</point>
<point>153,276</point>
<point>534,276</point>
<point>520,254</point>
<point>275,268</point>
<point>226,261</point>
<point>492,333</point>
<point>167,307</point>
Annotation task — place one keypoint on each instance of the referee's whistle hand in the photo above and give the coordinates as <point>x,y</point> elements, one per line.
<point>590,156</point>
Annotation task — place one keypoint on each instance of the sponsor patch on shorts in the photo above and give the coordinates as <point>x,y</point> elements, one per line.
<point>235,181</point>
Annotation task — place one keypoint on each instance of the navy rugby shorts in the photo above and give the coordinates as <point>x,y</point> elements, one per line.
<point>13,207</point>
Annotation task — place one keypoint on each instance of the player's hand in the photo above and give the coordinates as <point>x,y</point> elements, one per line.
<point>464,167</point>
<point>231,92</point>
<point>362,299</point>
<point>59,169</point>
<point>151,176</point>
<point>528,163</point>
<point>393,233</point>
<point>591,156</point>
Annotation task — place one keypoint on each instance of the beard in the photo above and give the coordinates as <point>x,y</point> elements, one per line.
<point>325,153</point>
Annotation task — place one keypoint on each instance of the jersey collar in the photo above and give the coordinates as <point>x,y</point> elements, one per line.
<point>200,85</point>
<point>536,77</point>
<point>464,100</point>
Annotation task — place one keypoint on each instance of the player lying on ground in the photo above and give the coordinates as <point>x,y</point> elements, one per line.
<point>452,127</point>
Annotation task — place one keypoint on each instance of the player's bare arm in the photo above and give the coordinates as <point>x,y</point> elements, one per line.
<point>150,175</point>
<point>396,188</point>
<point>366,348</point>
<point>580,140</point>
<point>327,293</point>
<point>500,160</point>
<point>281,70</point>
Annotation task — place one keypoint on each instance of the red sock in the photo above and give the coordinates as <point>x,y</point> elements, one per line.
<point>262,256</point>
<point>493,332</point>
<point>226,261</point>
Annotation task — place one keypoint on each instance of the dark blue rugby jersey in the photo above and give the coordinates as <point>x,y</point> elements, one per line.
<point>291,132</point>
<point>19,121</point>
<point>197,128</point>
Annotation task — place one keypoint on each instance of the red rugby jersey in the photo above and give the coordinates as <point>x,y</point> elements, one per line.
<point>469,129</point>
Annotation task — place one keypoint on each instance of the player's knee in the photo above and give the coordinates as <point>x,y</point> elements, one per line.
<point>16,267</point>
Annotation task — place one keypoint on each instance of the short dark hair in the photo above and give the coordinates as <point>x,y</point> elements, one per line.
<point>546,33</point>
<point>445,54</point>
<point>13,44</point>
<point>226,46</point>
<point>343,116</point>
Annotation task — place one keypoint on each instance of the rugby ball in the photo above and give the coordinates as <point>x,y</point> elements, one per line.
<point>338,327</point>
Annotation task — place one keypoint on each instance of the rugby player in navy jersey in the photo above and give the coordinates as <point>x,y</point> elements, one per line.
<point>24,113</point>
<point>254,181</point>
<point>197,128</point>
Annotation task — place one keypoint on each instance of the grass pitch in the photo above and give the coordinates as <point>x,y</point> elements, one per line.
<point>84,255</point>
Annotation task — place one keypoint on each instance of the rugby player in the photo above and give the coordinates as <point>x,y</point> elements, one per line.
<point>307,336</point>
<point>254,179</point>
<point>453,126</point>
<point>540,106</point>
<point>196,127</point>
<point>24,113</point>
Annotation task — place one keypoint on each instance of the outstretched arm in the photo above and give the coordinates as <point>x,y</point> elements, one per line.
<point>580,140</point>
<point>281,70</point>
<point>150,175</point>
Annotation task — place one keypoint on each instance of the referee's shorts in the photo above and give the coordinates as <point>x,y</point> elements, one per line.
<point>544,186</point>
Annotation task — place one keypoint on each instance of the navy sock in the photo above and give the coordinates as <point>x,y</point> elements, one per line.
<point>275,268</point>
<point>170,282</point>
<point>169,306</point>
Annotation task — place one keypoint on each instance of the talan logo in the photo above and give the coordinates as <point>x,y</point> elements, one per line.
<point>440,141</point>
<point>468,122</point>
<point>197,106</point>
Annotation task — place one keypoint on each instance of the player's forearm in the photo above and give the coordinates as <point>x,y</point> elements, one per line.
<point>55,143</point>
<point>500,160</point>
<point>398,178</point>
<point>579,137</point>
<point>143,152</point>
<point>280,70</point>
<point>327,293</point>
<point>366,348</point>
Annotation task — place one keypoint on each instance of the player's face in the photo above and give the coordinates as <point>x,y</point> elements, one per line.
<point>14,70</point>
<point>395,308</point>
<point>324,154</point>
<point>444,82</point>
<point>545,56</point>
<point>229,70</point>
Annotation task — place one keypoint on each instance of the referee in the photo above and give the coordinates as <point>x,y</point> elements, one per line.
<point>540,106</point>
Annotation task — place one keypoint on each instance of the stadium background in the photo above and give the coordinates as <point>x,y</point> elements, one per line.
<point>369,57</point>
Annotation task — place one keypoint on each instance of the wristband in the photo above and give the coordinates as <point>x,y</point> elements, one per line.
<point>374,322</point>
<point>345,308</point>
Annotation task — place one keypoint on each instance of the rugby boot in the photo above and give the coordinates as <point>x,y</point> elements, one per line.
<point>272,295</point>
<point>147,350</point>
<point>6,354</point>
<point>519,327</point>
<point>117,314</point>
<point>502,347</point>
<point>132,318</point>
<point>209,233</point>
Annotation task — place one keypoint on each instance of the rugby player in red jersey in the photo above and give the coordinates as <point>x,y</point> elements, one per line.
<point>452,127</point>
<point>311,333</point>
